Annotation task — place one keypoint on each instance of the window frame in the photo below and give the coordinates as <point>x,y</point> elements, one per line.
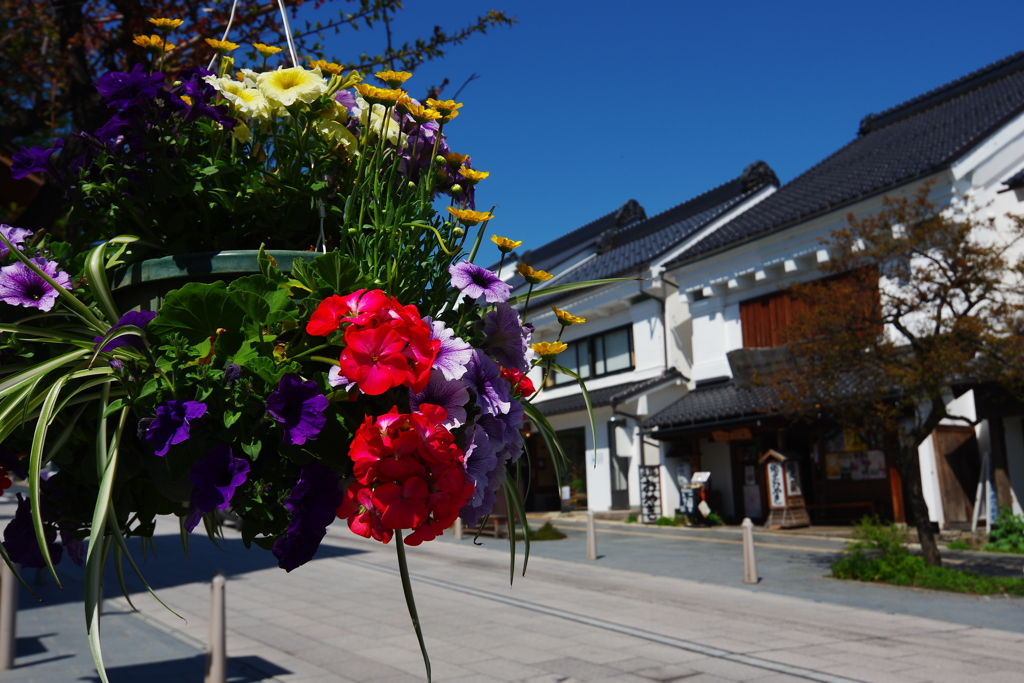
<point>590,341</point>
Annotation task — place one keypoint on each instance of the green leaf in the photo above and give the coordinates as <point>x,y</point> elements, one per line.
<point>512,496</point>
<point>252,448</point>
<point>268,267</point>
<point>113,407</point>
<point>268,372</point>
<point>26,376</point>
<point>586,399</point>
<point>262,299</point>
<point>410,602</point>
<point>337,271</point>
<point>555,289</point>
<point>196,312</point>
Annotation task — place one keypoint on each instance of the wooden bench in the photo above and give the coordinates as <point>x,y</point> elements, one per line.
<point>496,526</point>
<point>867,505</point>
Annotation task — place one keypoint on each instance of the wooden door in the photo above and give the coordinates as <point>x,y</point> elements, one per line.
<point>958,466</point>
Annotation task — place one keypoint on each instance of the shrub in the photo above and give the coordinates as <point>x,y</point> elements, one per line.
<point>548,532</point>
<point>665,521</point>
<point>714,519</point>
<point>631,518</point>
<point>878,552</point>
<point>959,545</point>
<point>1007,534</point>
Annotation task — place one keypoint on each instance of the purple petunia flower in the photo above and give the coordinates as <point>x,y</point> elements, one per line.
<point>451,395</point>
<point>120,89</point>
<point>454,352</point>
<point>346,99</point>
<point>507,340</point>
<point>172,424</point>
<point>16,236</point>
<point>336,379</point>
<point>300,406</point>
<point>232,373</point>
<point>35,160</point>
<point>480,462</point>
<point>492,391</point>
<point>311,507</point>
<point>474,282</point>
<point>75,548</point>
<point>215,479</point>
<point>472,513</point>
<point>137,318</point>
<point>21,286</point>
<point>20,539</point>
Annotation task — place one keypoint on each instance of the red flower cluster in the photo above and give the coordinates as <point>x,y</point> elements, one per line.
<point>521,384</point>
<point>386,344</point>
<point>409,475</point>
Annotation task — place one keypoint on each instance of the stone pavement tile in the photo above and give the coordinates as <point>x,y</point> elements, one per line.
<point>875,676</point>
<point>665,653</point>
<point>597,655</point>
<point>669,672</point>
<point>999,677</point>
<point>577,668</point>
<point>733,671</point>
<point>474,678</point>
<point>637,664</point>
<point>706,678</point>
<point>623,678</point>
<point>944,663</point>
<point>773,678</point>
<point>550,678</point>
<point>505,669</point>
<point>798,658</point>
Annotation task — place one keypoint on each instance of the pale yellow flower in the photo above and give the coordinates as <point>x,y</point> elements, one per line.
<point>338,133</point>
<point>285,87</point>
<point>565,318</point>
<point>534,277</point>
<point>505,245</point>
<point>247,101</point>
<point>470,218</point>
<point>381,120</point>
<point>548,350</point>
<point>241,132</point>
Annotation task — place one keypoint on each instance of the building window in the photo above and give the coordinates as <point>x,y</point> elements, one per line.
<point>602,354</point>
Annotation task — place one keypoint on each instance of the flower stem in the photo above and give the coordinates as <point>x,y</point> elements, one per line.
<point>403,570</point>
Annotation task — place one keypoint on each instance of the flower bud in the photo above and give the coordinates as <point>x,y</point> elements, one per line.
<point>456,189</point>
<point>440,160</point>
<point>458,232</point>
<point>412,185</point>
<point>176,84</point>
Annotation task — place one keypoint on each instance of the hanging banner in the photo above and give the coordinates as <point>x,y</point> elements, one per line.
<point>776,486</point>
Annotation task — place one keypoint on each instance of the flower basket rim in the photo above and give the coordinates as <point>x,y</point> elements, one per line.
<point>202,263</point>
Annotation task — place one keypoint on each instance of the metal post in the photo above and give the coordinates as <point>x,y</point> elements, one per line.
<point>591,536</point>
<point>749,562</point>
<point>216,656</point>
<point>8,616</point>
<point>458,529</point>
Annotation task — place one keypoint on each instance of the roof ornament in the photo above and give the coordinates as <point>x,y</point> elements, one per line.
<point>758,174</point>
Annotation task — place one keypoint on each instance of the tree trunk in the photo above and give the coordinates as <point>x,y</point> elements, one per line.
<point>1000,464</point>
<point>913,492</point>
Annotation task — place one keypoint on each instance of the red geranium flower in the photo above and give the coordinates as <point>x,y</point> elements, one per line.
<point>374,359</point>
<point>519,381</point>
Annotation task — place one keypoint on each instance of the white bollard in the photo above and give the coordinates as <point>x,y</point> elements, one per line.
<point>216,655</point>
<point>8,616</point>
<point>591,536</point>
<point>749,562</point>
<point>458,529</point>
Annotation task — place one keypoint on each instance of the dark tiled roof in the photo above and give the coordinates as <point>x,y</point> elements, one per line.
<point>602,397</point>
<point>712,404</point>
<point>902,144</point>
<point>624,250</point>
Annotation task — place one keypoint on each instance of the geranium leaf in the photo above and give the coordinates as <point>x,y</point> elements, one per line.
<point>196,312</point>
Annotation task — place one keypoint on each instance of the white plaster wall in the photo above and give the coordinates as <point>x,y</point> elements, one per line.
<point>648,335</point>
<point>714,457</point>
<point>716,331</point>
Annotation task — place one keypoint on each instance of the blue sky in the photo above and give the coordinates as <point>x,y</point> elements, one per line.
<point>581,106</point>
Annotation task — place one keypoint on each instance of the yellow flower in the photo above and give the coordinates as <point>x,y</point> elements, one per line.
<point>375,95</point>
<point>565,318</point>
<point>329,67</point>
<point>285,87</point>
<point>505,245</point>
<point>472,176</point>
<point>454,160</point>
<point>446,107</point>
<point>266,50</point>
<point>534,277</point>
<point>241,132</point>
<point>548,350</point>
<point>221,47</point>
<point>166,23</point>
<point>470,218</point>
<point>153,43</point>
<point>418,112</point>
<point>393,79</point>
<point>187,100</point>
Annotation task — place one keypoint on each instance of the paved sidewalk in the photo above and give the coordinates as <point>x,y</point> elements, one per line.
<point>342,618</point>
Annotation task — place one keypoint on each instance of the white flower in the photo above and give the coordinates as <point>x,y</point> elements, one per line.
<point>241,132</point>
<point>285,87</point>
<point>337,132</point>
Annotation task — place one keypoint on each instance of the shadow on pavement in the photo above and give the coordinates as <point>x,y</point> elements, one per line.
<point>249,669</point>
<point>170,568</point>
